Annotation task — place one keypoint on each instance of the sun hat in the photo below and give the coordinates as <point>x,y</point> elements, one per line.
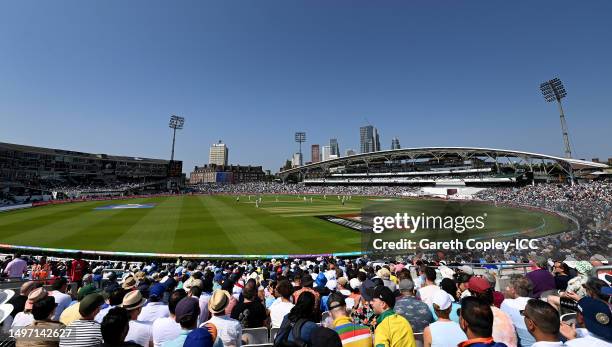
<point>27,287</point>
<point>583,267</point>
<point>129,283</point>
<point>192,282</point>
<point>384,273</point>
<point>219,301</point>
<point>34,296</point>
<point>133,300</point>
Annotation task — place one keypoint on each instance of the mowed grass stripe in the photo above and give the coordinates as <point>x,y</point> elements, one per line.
<point>199,231</point>
<point>107,227</point>
<point>19,221</point>
<point>259,231</point>
<point>155,231</point>
<point>54,232</point>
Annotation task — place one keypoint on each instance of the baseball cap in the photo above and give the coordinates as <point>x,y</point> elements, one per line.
<point>86,290</point>
<point>385,294</point>
<point>90,303</point>
<point>335,300</point>
<point>186,308</point>
<point>157,290</point>
<point>199,337</point>
<point>442,299</point>
<point>478,285</point>
<point>366,289</point>
<point>466,269</point>
<point>355,283</point>
<point>406,284</point>
<point>597,317</point>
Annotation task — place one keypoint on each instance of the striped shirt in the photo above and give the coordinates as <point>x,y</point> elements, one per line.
<point>351,334</point>
<point>85,333</point>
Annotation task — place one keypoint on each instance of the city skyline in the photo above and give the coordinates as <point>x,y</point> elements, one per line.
<point>254,73</point>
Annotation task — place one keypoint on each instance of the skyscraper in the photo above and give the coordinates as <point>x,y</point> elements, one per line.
<point>315,152</point>
<point>335,149</point>
<point>369,140</point>
<point>325,153</point>
<point>218,154</point>
<point>349,152</point>
<point>296,160</point>
<point>395,143</point>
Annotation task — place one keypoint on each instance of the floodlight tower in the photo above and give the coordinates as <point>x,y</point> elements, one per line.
<point>300,137</point>
<point>176,122</point>
<point>554,90</point>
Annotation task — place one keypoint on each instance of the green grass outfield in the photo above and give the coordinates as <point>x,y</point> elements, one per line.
<point>221,225</point>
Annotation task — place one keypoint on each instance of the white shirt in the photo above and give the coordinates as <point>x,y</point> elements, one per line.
<point>204,299</point>
<point>140,332</point>
<point>587,341</point>
<point>427,293</point>
<point>278,311</point>
<point>229,330</point>
<point>22,319</point>
<point>165,329</point>
<point>62,300</point>
<point>512,308</point>
<point>152,311</point>
<point>103,312</point>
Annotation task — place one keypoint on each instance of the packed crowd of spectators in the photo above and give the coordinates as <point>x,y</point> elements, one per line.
<point>317,302</point>
<point>279,188</point>
<point>588,203</point>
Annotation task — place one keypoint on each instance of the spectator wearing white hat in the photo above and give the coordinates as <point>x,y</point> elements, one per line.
<point>229,330</point>
<point>140,332</point>
<point>443,332</point>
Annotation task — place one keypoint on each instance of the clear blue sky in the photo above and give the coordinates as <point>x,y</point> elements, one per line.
<point>104,76</point>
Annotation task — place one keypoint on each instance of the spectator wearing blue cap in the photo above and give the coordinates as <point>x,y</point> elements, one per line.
<point>199,337</point>
<point>187,314</point>
<point>155,307</point>
<point>596,317</point>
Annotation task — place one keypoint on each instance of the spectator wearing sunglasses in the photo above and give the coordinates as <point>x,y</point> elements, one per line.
<point>542,321</point>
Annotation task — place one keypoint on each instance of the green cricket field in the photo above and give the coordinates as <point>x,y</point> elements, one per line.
<point>222,225</point>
